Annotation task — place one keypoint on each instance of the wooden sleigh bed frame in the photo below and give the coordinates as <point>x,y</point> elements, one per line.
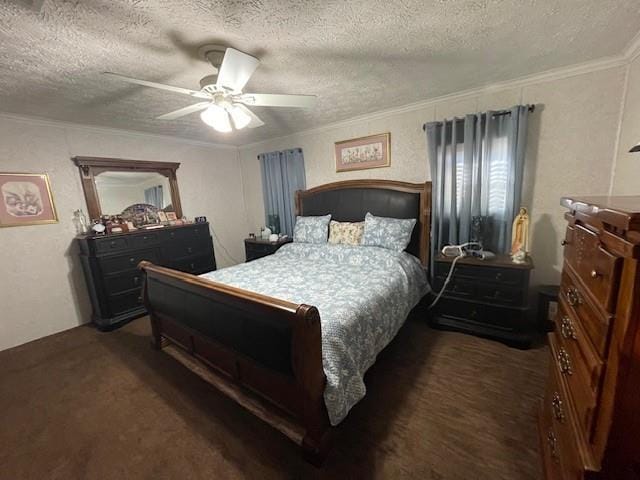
<point>266,353</point>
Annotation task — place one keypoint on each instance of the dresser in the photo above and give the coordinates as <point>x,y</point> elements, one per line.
<point>257,248</point>
<point>488,298</point>
<point>110,266</point>
<point>589,422</point>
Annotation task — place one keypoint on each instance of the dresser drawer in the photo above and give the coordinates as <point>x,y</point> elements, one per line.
<point>189,232</point>
<point>594,323</point>
<point>570,367</point>
<point>146,239</point>
<point>195,265</point>
<point>123,282</point>
<point>125,302</point>
<point>187,248</point>
<point>598,269</point>
<point>121,263</point>
<point>560,440</point>
<point>111,244</point>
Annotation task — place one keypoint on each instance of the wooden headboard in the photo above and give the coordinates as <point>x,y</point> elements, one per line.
<point>349,201</point>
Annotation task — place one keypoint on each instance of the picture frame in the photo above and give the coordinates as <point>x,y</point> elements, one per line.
<point>171,216</point>
<point>372,151</point>
<point>162,216</point>
<point>26,199</point>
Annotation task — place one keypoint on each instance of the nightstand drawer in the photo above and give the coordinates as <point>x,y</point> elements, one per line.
<point>484,273</point>
<point>498,294</point>
<point>456,287</point>
<point>499,318</point>
<point>255,249</point>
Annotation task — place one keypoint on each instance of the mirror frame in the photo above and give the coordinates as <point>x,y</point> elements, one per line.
<point>90,167</point>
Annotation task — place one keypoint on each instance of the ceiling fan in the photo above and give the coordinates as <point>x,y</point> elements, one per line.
<point>223,101</point>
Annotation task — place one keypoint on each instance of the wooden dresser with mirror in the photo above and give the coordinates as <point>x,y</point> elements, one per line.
<point>589,423</point>
<point>110,262</point>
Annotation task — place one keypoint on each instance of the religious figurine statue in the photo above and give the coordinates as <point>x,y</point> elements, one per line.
<point>520,237</point>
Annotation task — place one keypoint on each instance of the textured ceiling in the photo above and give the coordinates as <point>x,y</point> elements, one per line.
<point>357,56</point>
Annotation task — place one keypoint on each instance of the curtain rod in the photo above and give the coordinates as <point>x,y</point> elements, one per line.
<point>496,113</point>
<point>280,151</point>
<point>508,112</point>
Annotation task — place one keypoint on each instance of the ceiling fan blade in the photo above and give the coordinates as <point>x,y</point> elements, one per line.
<point>184,111</point>
<point>236,69</point>
<point>255,120</point>
<point>277,100</point>
<point>160,86</point>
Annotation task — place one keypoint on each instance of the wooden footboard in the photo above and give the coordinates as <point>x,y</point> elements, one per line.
<point>263,352</point>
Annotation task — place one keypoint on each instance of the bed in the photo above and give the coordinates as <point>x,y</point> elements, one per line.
<point>255,330</point>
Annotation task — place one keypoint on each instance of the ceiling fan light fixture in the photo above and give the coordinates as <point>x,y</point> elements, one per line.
<point>240,118</point>
<point>217,118</point>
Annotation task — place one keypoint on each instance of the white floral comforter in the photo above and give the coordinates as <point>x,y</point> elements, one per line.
<point>363,294</point>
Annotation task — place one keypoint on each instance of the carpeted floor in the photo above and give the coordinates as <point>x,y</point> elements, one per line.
<point>83,404</point>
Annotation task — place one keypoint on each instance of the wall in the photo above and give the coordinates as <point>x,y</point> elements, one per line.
<point>42,289</point>
<point>626,175</point>
<point>572,137</point>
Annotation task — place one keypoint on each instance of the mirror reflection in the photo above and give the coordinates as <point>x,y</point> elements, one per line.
<point>118,191</point>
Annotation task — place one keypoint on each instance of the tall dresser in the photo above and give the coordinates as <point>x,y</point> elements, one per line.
<point>589,423</point>
<point>110,265</point>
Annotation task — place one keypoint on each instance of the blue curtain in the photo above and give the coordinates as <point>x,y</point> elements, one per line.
<point>282,174</point>
<point>153,196</point>
<point>476,169</point>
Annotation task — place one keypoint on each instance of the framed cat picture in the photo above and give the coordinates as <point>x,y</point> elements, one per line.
<point>26,199</point>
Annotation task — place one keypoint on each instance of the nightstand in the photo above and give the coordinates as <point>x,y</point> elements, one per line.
<point>257,248</point>
<point>488,298</point>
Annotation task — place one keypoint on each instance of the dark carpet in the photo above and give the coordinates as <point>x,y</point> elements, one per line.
<point>84,404</point>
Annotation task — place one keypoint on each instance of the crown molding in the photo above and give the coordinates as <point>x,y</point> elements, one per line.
<point>546,76</point>
<point>32,120</point>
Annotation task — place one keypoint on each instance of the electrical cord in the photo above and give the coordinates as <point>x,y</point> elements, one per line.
<point>447,280</point>
<point>226,252</point>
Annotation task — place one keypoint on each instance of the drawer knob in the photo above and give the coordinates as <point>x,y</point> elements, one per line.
<point>594,274</point>
<point>499,276</point>
<point>552,441</point>
<point>473,314</point>
<point>564,362</point>
<point>136,280</point>
<point>112,244</point>
<point>189,249</point>
<point>567,329</point>
<point>564,243</point>
<point>132,260</point>
<point>556,405</point>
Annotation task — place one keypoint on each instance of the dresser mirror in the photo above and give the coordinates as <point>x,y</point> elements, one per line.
<point>115,186</point>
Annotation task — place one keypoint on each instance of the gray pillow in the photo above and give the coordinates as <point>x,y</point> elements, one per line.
<point>391,233</point>
<point>311,229</point>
